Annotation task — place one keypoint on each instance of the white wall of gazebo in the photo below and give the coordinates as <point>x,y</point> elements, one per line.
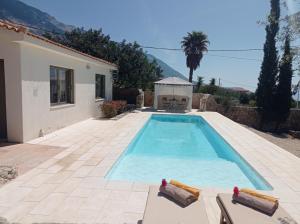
<point>173,86</point>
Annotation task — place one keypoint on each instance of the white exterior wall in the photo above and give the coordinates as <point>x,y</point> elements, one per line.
<point>27,62</point>
<point>180,90</point>
<point>37,113</point>
<point>10,52</point>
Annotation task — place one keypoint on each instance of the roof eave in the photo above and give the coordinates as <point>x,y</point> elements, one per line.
<point>173,84</point>
<point>36,39</point>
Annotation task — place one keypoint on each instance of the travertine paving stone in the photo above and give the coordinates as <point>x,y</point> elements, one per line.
<point>71,187</point>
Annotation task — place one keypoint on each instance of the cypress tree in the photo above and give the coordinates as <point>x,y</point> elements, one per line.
<point>269,68</point>
<point>284,87</point>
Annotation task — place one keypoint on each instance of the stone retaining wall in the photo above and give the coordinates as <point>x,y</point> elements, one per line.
<point>294,120</point>
<point>148,98</point>
<point>249,116</point>
<point>241,114</point>
<point>196,100</point>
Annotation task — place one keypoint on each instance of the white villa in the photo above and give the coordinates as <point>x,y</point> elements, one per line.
<point>45,86</point>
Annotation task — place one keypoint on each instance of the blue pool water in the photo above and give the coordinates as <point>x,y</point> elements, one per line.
<point>185,148</point>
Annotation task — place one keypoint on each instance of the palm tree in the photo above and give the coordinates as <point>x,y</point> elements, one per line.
<point>194,45</point>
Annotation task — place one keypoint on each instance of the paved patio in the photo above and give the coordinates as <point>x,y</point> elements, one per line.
<point>70,186</point>
<point>284,141</point>
<point>26,156</point>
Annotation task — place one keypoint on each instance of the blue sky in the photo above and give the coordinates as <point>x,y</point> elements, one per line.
<point>229,24</point>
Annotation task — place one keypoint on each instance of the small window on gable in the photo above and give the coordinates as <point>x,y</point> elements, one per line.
<point>61,85</point>
<point>100,86</point>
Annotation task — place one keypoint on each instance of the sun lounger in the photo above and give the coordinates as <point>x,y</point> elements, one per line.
<point>160,209</point>
<point>235,213</point>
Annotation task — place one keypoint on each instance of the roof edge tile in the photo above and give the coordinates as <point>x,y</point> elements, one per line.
<point>22,29</point>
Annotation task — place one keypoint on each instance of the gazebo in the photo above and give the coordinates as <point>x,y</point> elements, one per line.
<point>173,93</point>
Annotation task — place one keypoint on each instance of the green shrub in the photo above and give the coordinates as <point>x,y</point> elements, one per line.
<point>209,89</point>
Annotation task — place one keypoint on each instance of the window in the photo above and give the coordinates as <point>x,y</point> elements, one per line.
<point>61,85</point>
<point>100,86</point>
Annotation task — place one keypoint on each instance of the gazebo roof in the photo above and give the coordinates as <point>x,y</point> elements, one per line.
<point>174,81</point>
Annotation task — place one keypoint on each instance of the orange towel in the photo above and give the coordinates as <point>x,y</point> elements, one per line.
<point>192,190</point>
<point>259,195</point>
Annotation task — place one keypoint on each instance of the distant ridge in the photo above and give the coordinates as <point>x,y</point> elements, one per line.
<point>168,71</point>
<point>19,12</point>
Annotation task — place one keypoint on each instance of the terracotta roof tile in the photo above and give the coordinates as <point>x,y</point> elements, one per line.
<point>22,29</point>
<point>12,26</point>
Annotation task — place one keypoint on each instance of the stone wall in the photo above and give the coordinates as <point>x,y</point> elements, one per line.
<point>196,100</point>
<point>140,99</point>
<point>204,102</point>
<point>148,98</point>
<point>241,114</point>
<point>249,116</point>
<point>293,122</point>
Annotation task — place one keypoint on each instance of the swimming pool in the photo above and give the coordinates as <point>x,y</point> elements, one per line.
<point>185,148</point>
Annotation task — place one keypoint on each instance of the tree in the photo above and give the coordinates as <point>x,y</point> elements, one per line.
<point>212,82</point>
<point>209,89</point>
<point>194,45</point>
<point>283,94</point>
<point>269,68</point>
<point>92,42</point>
<point>134,69</point>
<point>199,83</point>
<point>244,98</point>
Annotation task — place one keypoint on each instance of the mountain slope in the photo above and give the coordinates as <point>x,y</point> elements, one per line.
<point>18,12</point>
<point>168,71</point>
